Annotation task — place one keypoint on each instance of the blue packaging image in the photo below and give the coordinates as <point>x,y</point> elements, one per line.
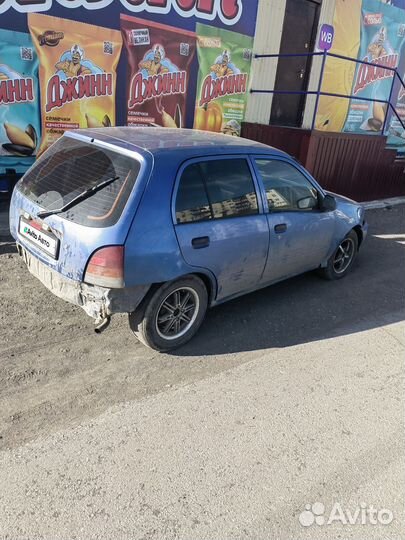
<point>382,37</point>
<point>19,100</point>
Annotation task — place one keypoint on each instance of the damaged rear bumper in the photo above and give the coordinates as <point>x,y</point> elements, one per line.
<point>98,302</point>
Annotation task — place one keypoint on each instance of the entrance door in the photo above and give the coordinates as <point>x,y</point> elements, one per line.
<point>299,35</point>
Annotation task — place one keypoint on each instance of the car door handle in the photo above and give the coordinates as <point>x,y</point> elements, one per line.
<point>280,228</point>
<point>200,242</point>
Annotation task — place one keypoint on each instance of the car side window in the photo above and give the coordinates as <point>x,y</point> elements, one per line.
<point>192,199</point>
<point>216,189</point>
<point>230,187</point>
<point>287,189</point>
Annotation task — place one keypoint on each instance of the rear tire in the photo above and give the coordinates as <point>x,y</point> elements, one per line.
<point>341,262</point>
<point>173,314</point>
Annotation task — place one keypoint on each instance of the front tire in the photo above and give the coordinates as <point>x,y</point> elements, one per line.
<point>173,315</point>
<point>341,262</point>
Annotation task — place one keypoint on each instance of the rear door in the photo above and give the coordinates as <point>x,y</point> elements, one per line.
<point>219,221</point>
<point>300,236</point>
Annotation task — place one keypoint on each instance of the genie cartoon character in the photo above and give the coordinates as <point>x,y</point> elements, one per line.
<point>380,46</point>
<point>222,66</point>
<point>73,67</point>
<point>154,66</point>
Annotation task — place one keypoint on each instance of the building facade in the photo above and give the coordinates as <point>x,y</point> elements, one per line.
<point>193,63</point>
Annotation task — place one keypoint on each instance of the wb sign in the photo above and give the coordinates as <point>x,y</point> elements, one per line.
<point>326,35</point>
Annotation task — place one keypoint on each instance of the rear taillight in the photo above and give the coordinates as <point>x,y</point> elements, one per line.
<point>106,267</point>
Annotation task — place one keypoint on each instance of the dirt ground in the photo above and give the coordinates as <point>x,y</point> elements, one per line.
<point>56,372</point>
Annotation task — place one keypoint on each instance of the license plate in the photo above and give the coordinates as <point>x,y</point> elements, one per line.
<point>44,240</point>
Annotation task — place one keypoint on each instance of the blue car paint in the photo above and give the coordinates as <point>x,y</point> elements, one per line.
<point>245,252</point>
<point>79,242</point>
<point>238,247</point>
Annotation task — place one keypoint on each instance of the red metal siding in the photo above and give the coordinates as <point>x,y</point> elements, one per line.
<point>358,166</point>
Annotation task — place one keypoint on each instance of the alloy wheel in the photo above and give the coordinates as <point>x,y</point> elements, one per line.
<point>177,313</point>
<point>344,256</point>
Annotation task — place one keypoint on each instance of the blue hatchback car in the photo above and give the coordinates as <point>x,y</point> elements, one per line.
<point>164,223</point>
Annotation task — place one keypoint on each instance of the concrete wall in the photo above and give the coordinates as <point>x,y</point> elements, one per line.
<point>267,40</point>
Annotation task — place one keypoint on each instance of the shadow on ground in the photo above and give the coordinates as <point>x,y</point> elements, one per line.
<point>56,372</point>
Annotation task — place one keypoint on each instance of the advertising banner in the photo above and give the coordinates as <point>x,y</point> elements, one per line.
<point>19,98</point>
<point>77,74</point>
<point>224,59</point>
<point>159,58</point>
<point>87,79</point>
<point>374,32</point>
<point>381,40</point>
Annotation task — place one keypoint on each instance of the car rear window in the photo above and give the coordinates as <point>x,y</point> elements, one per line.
<point>71,166</point>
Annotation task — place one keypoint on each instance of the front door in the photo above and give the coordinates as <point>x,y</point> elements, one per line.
<point>300,233</point>
<point>299,35</point>
<point>220,224</point>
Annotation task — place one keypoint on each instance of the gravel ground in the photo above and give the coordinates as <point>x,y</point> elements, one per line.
<point>319,362</point>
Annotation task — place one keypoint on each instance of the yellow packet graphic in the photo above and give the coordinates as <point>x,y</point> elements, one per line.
<point>77,74</point>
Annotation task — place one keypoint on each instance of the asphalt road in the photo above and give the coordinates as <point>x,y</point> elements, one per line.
<point>287,397</point>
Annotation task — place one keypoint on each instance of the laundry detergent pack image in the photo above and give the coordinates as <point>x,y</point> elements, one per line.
<point>223,79</point>
<point>77,73</point>
<point>382,37</point>
<point>19,99</point>
<point>158,73</point>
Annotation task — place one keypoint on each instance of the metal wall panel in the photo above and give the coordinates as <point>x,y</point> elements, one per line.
<point>358,166</point>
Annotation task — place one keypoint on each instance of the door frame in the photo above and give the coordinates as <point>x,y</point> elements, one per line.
<point>309,62</point>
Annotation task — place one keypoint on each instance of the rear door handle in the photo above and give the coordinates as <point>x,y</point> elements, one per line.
<point>280,228</point>
<point>200,242</point>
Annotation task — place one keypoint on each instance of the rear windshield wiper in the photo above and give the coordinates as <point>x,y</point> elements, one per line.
<point>79,198</point>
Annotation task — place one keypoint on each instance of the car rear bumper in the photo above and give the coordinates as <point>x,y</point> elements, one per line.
<point>98,302</point>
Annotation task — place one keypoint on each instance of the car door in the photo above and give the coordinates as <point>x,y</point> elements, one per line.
<point>300,232</point>
<point>219,221</point>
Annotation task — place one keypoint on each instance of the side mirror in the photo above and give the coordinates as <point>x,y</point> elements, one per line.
<point>328,203</point>
<point>307,203</point>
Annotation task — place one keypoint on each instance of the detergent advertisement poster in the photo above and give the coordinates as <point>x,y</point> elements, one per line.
<point>93,63</point>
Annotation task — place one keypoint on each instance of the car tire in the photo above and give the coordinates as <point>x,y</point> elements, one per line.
<point>172,315</point>
<point>341,262</point>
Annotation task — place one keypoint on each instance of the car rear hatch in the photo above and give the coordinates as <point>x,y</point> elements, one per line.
<point>99,185</point>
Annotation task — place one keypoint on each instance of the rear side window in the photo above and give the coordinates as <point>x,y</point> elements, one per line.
<point>68,168</point>
<point>216,189</point>
<point>192,198</point>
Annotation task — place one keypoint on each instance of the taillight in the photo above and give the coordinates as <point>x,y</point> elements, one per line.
<point>106,267</point>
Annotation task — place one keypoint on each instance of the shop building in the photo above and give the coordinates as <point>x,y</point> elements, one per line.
<point>353,145</point>
<point>234,66</point>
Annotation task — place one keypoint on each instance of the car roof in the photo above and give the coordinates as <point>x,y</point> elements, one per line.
<point>186,142</point>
